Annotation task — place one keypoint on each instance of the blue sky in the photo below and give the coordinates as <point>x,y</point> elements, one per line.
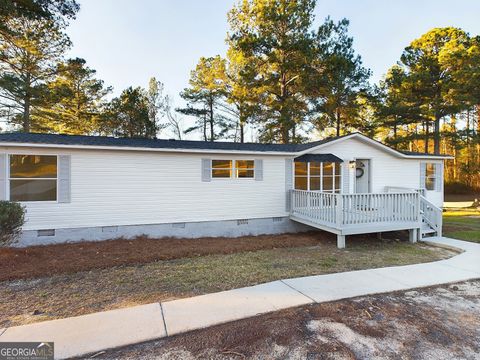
<point>127,41</point>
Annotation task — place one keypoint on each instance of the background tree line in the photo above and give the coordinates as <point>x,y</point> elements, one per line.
<point>42,91</point>
<point>282,81</point>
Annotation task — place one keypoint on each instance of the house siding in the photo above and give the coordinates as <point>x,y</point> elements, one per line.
<point>113,188</point>
<point>133,191</point>
<point>386,169</point>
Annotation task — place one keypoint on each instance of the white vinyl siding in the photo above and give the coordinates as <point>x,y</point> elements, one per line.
<point>111,188</point>
<point>385,169</point>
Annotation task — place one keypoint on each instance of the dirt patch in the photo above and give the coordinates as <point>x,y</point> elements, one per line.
<point>39,261</point>
<point>433,323</point>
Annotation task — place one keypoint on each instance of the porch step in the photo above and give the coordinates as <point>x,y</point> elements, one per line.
<point>427,230</point>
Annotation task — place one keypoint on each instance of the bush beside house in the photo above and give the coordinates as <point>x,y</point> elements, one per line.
<point>12,218</point>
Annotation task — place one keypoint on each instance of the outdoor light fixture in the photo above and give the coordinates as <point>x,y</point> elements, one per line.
<point>352,164</point>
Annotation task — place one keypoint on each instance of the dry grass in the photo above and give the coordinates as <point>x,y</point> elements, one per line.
<point>102,289</point>
<point>39,261</point>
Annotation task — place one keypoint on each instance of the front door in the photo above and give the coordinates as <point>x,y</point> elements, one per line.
<point>362,176</point>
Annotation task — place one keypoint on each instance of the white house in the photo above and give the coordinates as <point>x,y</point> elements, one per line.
<point>94,188</point>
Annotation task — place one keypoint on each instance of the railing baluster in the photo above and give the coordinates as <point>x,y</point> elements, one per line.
<point>354,209</point>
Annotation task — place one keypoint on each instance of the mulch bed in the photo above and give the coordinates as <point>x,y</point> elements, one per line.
<point>40,261</point>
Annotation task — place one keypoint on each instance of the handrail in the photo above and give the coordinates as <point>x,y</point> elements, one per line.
<point>431,214</point>
<point>390,189</point>
<point>423,198</point>
<point>401,188</point>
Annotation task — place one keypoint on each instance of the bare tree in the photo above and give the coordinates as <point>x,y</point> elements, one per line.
<point>174,120</point>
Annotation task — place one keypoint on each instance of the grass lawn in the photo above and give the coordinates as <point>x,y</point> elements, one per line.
<point>75,293</point>
<point>462,224</point>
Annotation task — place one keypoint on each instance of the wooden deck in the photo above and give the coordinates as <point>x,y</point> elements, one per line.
<point>347,214</point>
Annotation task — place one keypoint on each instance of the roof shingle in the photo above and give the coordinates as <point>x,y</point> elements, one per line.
<point>55,139</point>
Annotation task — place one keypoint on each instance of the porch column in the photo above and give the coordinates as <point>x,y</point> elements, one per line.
<point>412,235</point>
<point>341,241</point>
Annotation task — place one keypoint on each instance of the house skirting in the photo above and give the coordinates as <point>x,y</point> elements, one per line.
<point>226,228</point>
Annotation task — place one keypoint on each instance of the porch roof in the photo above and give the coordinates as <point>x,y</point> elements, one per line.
<point>318,157</point>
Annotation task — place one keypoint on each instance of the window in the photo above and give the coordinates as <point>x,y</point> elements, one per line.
<point>318,176</point>
<point>315,175</point>
<point>431,178</point>
<point>301,175</point>
<point>222,168</point>
<point>245,168</point>
<point>33,178</point>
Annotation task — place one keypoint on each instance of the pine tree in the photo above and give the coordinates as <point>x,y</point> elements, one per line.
<point>76,100</point>
<point>128,116</point>
<point>275,36</point>
<point>207,89</point>
<point>28,60</point>
<point>338,79</point>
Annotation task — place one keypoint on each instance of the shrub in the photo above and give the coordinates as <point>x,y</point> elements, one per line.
<point>12,218</point>
<point>459,188</point>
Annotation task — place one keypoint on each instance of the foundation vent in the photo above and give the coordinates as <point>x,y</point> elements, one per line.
<point>277,219</point>
<point>178,225</point>
<point>109,229</point>
<point>49,232</point>
<point>242,222</point>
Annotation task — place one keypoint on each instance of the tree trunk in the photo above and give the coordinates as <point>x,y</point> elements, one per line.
<point>283,117</point>
<point>338,121</point>
<point>212,130</point>
<point>454,146</point>
<point>467,138</point>
<point>395,134</point>
<point>242,133</point>
<point>427,135</point>
<point>26,106</point>
<point>436,136</point>
<point>241,124</point>
<point>205,138</point>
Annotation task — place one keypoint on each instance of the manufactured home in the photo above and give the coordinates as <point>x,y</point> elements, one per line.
<point>89,188</point>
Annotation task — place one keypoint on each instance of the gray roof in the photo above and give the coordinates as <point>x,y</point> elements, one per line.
<point>414,153</point>
<point>55,139</point>
<point>318,157</point>
<point>106,141</point>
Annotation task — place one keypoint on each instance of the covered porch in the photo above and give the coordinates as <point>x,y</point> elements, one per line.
<point>347,214</point>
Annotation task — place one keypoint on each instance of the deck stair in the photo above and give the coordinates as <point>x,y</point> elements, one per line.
<point>346,214</point>
<point>431,218</point>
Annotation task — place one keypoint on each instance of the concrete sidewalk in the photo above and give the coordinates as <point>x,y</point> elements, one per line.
<point>91,333</point>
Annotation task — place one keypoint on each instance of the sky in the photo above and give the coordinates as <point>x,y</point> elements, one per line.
<point>128,42</point>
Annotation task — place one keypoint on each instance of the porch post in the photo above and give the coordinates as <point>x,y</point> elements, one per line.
<point>341,241</point>
<point>412,235</point>
<point>339,210</point>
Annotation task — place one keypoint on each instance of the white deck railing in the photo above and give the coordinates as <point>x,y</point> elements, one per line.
<point>343,210</point>
<point>432,215</point>
<point>318,206</point>
<point>401,189</point>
